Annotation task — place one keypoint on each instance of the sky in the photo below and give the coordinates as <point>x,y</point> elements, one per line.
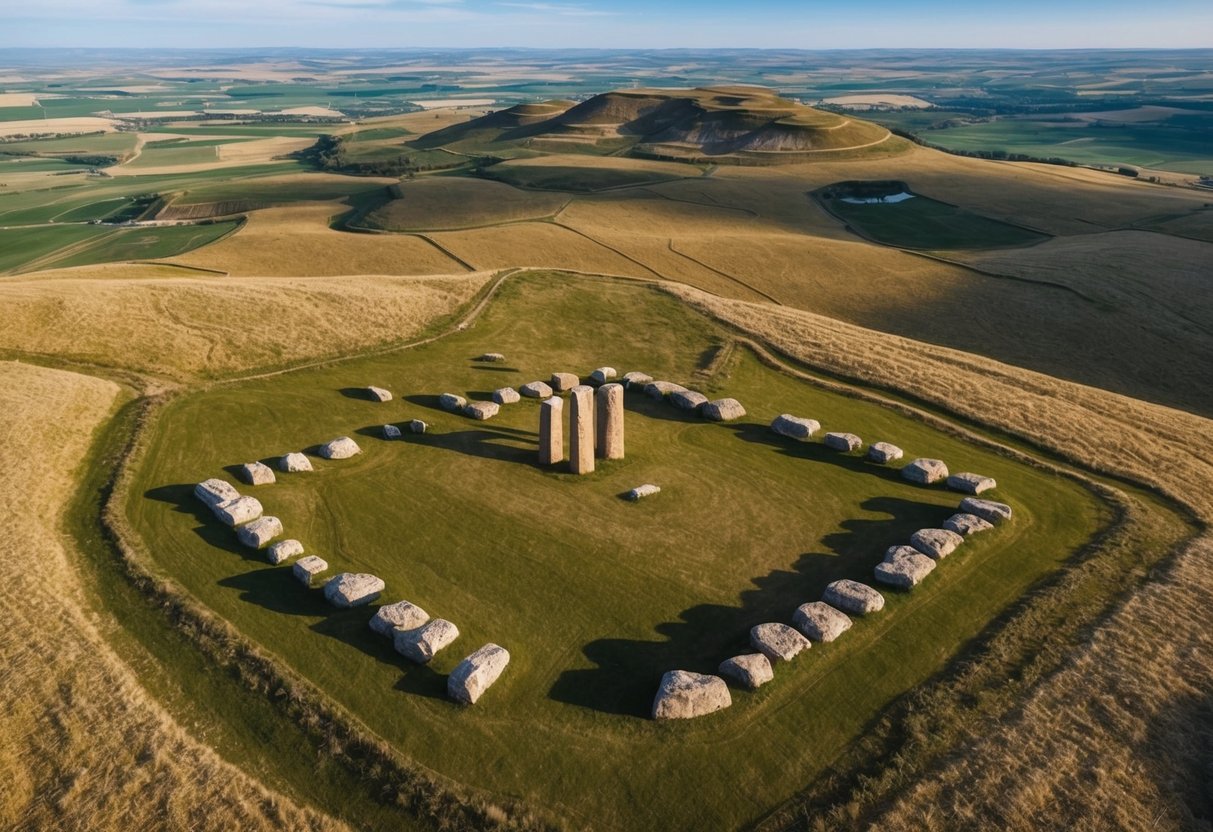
<point>804,24</point>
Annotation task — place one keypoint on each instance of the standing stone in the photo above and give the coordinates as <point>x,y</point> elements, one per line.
<point>686,695</point>
<point>971,483</point>
<point>417,426</point>
<point>261,531</point>
<point>391,432</point>
<point>966,524</point>
<point>283,550</point>
<point>602,375</point>
<point>853,597</point>
<point>987,510</point>
<point>307,568</point>
<point>844,442</point>
<point>475,674</point>
<point>551,431</point>
<point>925,471</point>
<point>398,616</point>
<point>778,642</point>
<point>722,410</point>
<point>536,390</point>
<point>452,402</point>
<point>481,410</point>
<point>820,622</point>
<point>581,429</point>
<point>215,491</point>
<point>751,670</point>
<point>294,462</point>
<point>610,421</point>
<point>564,381</point>
<point>378,394</point>
<point>257,473</point>
<point>884,452</point>
<point>506,395</point>
<point>795,427</point>
<point>636,379</point>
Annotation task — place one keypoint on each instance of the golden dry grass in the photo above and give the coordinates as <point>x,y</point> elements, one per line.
<point>1114,739</point>
<point>297,241</point>
<point>57,126</point>
<point>538,245</point>
<point>184,325</point>
<point>82,745</point>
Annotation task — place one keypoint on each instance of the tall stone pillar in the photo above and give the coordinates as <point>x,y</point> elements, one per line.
<point>581,427</point>
<point>551,431</point>
<point>610,421</point>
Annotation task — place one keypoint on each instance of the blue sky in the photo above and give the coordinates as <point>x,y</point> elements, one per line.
<point>807,24</point>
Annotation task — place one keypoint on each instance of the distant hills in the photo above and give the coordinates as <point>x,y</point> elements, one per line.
<point>740,124</point>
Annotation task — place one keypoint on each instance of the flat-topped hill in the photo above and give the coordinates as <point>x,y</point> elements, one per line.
<point>739,124</point>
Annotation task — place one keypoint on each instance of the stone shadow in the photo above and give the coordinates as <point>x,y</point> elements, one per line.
<point>817,451</point>
<point>626,672</point>
<point>212,532</point>
<point>496,369</point>
<point>276,589</point>
<point>501,444</point>
<point>661,409</point>
<point>426,400</point>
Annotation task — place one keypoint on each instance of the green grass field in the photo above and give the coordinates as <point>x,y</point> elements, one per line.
<point>594,597</point>
<point>1144,145</point>
<point>924,223</point>
<point>19,246</point>
<point>582,179</point>
<point>61,246</point>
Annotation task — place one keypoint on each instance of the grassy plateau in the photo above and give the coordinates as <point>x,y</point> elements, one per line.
<point>594,597</point>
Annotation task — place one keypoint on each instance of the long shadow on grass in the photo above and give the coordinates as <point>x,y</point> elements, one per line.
<point>627,671</point>
<point>504,444</point>
<point>816,451</point>
<point>214,533</point>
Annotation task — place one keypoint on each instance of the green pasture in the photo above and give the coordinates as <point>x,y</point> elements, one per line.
<point>927,224</point>
<point>582,179</point>
<point>60,246</point>
<point>1186,147</point>
<point>593,596</point>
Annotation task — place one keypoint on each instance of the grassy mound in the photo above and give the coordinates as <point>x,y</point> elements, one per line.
<point>891,214</point>
<point>725,124</point>
<point>594,597</point>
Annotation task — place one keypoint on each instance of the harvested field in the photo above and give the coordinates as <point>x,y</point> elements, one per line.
<point>297,241</point>
<point>84,745</point>
<point>206,326</point>
<point>18,99</point>
<point>55,126</point>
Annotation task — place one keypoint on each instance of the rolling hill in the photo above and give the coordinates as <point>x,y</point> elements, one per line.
<point>739,124</point>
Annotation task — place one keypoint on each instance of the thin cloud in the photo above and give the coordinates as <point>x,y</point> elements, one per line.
<point>559,8</point>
